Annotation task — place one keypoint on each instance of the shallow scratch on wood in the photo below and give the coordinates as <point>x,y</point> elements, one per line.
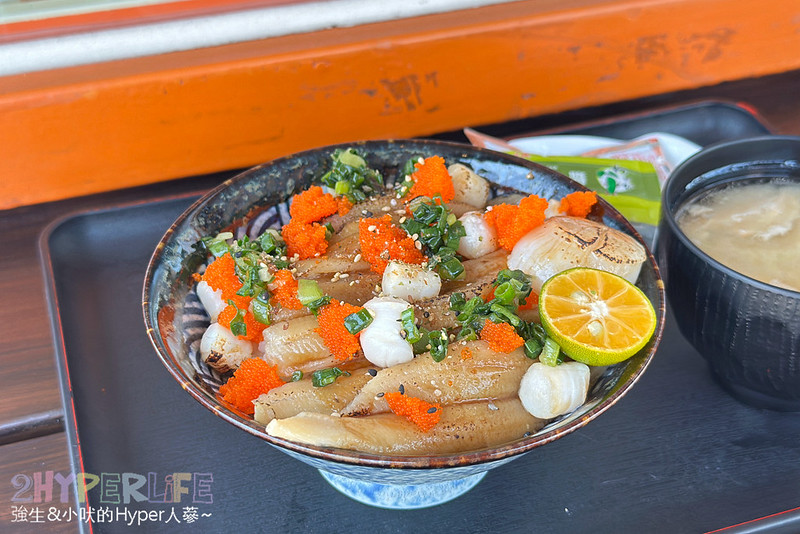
<point>406,93</point>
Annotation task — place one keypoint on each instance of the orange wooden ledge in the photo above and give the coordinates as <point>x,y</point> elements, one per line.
<point>94,128</point>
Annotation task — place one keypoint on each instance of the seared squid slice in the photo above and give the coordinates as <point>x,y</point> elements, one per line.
<point>342,257</point>
<point>478,270</point>
<point>293,398</point>
<point>222,350</point>
<point>435,313</point>
<point>470,372</point>
<point>354,288</point>
<point>376,206</point>
<point>295,346</point>
<point>461,427</point>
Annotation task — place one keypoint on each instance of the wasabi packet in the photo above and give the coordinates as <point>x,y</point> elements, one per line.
<point>632,187</point>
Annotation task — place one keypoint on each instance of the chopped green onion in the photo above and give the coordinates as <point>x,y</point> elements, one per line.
<point>261,307</point>
<point>326,377</point>
<point>408,321</point>
<point>551,353</point>
<point>451,269</point>
<point>533,347</point>
<point>308,291</point>
<point>350,176</point>
<point>310,295</point>
<point>297,376</point>
<point>358,321</point>
<point>238,326</point>
<point>342,187</point>
<point>218,248</point>
<point>350,157</point>
<point>438,342</point>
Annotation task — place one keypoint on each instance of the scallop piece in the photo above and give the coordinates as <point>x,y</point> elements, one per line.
<point>548,391</point>
<point>480,238</point>
<point>561,243</point>
<point>210,299</point>
<point>410,282</point>
<point>382,341</point>
<point>470,188</point>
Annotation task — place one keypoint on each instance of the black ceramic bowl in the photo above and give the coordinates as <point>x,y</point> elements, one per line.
<point>175,321</point>
<point>749,331</point>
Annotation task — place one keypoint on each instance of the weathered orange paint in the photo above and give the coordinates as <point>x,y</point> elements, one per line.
<point>95,128</point>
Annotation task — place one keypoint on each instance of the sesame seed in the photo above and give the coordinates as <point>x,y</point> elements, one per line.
<point>418,244</point>
<point>402,220</point>
<point>380,394</point>
<point>393,202</point>
<point>432,409</point>
<point>437,392</point>
<point>493,407</point>
<point>402,389</point>
<point>357,258</point>
<point>372,228</point>
<point>386,208</point>
<point>344,275</point>
<point>372,372</point>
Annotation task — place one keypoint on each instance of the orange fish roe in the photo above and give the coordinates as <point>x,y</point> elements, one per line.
<point>531,302</point>
<point>254,328</point>
<point>343,205</point>
<point>578,204</point>
<point>431,178</point>
<point>305,240</point>
<point>312,205</point>
<point>221,274</point>
<point>466,353</point>
<point>513,222</point>
<point>415,410</point>
<point>284,290</point>
<point>342,344</point>
<point>382,241</point>
<point>253,377</point>
<point>501,336</point>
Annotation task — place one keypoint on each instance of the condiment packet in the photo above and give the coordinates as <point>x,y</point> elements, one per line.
<point>632,187</point>
<point>646,149</point>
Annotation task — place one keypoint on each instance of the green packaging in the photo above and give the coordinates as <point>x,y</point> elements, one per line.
<point>632,187</point>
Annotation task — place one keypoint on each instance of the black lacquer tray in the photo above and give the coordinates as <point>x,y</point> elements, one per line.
<point>677,454</point>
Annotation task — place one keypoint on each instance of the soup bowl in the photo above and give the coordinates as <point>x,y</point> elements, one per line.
<point>747,330</point>
<point>175,320</point>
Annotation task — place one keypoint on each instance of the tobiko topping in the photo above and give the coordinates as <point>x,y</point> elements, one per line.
<point>253,377</point>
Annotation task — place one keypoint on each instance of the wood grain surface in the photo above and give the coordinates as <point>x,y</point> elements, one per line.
<point>22,463</point>
<point>93,128</point>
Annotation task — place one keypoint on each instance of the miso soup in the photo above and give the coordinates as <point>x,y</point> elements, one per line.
<point>753,228</point>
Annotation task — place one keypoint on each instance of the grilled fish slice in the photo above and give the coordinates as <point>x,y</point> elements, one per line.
<point>293,398</point>
<point>470,372</point>
<point>461,427</point>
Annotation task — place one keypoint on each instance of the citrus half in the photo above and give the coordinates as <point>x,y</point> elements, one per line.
<point>597,317</point>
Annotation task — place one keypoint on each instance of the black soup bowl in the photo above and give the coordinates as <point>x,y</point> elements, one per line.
<point>258,197</point>
<point>747,330</point>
